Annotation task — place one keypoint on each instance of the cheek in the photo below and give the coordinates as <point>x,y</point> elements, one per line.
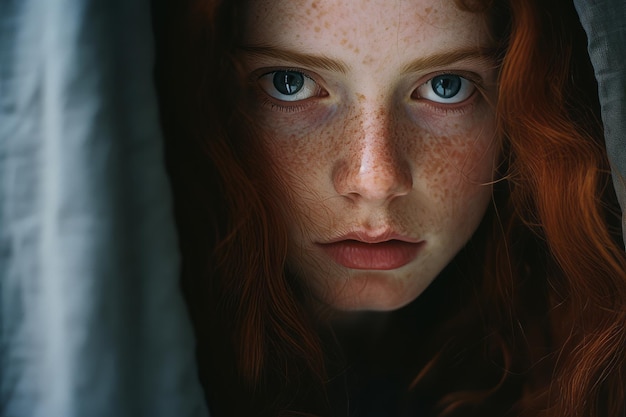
<point>301,152</point>
<point>456,167</point>
<point>453,171</point>
<point>455,158</point>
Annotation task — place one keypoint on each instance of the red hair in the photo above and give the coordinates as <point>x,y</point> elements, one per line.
<point>558,178</point>
<point>550,307</point>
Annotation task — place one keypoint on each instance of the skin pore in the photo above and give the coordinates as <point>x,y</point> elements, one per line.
<point>378,119</point>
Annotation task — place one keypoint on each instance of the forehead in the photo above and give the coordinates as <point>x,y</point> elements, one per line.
<point>363,26</point>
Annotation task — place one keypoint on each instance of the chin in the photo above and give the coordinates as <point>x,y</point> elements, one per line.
<point>374,292</point>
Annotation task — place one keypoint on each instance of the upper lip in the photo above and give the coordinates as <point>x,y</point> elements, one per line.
<point>367,236</point>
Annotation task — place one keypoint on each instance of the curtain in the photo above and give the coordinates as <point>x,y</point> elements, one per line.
<point>605,24</point>
<point>92,322</point>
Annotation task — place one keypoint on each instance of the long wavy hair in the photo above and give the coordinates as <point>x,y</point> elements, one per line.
<point>544,330</point>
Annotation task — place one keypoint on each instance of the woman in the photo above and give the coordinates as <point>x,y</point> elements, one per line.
<point>395,209</point>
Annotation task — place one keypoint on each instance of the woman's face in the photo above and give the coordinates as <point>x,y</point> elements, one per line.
<point>378,118</point>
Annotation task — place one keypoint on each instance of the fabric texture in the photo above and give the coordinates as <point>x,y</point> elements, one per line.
<point>92,322</point>
<point>605,24</point>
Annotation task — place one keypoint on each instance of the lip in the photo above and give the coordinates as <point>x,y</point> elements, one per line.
<point>367,252</point>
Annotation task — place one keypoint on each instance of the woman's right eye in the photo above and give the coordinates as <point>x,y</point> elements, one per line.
<point>289,85</point>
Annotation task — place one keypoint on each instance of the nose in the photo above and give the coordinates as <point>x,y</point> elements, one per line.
<point>373,170</point>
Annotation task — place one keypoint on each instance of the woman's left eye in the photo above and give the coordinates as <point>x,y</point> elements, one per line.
<point>289,85</point>
<point>446,89</point>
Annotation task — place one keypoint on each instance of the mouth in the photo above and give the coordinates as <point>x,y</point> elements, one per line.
<point>375,254</point>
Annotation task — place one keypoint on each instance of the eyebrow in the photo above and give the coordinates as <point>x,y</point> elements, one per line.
<point>326,63</point>
<point>451,57</point>
<point>306,60</point>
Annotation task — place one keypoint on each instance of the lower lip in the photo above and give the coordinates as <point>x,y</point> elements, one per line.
<point>383,256</point>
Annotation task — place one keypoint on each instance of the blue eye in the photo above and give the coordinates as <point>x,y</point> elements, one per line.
<point>447,89</point>
<point>288,85</point>
<point>446,86</point>
<point>288,82</point>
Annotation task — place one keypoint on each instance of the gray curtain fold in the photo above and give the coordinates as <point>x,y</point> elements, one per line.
<point>92,322</point>
<point>605,24</point>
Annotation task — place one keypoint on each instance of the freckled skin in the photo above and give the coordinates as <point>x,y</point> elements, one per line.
<point>367,154</point>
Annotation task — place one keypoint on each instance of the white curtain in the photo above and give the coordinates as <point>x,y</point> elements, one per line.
<point>92,322</point>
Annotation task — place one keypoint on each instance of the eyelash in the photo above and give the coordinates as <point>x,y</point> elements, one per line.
<point>480,92</point>
<point>274,106</point>
<point>295,106</point>
<point>285,106</point>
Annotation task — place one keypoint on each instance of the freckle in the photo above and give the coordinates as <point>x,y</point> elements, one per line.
<point>360,96</point>
<point>343,41</point>
<point>317,29</point>
<point>356,50</point>
<point>428,9</point>
<point>326,25</point>
<point>314,5</point>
